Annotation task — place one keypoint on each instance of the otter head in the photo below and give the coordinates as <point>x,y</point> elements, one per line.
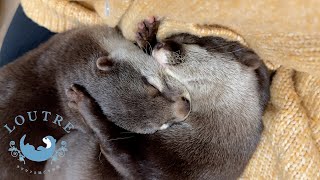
<point>119,79</point>
<point>212,68</point>
<point>130,100</point>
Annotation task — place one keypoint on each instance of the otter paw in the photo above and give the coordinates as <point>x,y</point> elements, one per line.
<point>146,34</point>
<point>77,97</point>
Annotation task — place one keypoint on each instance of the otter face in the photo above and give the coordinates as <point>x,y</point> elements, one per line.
<point>213,67</point>
<point>190,58</point>
<point>122,81</point>
<point>129,100</point>
<point>227,73</point>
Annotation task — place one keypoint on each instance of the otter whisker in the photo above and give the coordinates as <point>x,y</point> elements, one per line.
<point>178,57</point>
<point>99,157</point>
<point>120,138</point>
<point>144,49</point>
<point>147,48</point>
<point>114,139</point>
<point>150,47</point>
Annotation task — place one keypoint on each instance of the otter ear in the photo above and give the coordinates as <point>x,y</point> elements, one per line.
<point>104,64</point>
<point>251,60</point>
<point>181,108</point>
<point>248,58</point>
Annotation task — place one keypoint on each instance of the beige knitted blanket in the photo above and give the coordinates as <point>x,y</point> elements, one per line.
<point>285,34</point>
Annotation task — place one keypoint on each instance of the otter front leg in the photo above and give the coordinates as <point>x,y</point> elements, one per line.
<point>146,35</point>
<point>114,145</point>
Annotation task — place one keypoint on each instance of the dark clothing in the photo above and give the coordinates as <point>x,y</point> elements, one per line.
<point>22,36</point>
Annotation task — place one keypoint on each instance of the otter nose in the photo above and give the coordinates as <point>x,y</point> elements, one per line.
<point>159,46</point>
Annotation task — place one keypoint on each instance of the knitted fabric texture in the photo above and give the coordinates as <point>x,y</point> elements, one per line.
<point>285,34</point>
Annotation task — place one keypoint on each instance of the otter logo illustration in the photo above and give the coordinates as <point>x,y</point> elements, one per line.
<point>25,148</point>
<point>41,153</point>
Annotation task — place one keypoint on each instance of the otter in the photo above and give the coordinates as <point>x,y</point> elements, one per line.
<point>224,88</point>
<point>98,59</point>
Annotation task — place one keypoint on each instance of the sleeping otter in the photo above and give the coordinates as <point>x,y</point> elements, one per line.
<point>226,86</point>
<point>96,58</point>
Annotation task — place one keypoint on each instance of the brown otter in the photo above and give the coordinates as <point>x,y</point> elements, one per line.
<point>229,89</point>
<point>96,58</point>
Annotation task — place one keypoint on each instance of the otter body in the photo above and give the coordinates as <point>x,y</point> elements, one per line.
<point>135,118</point>
<point>37,82</point>
<point>226,86</point>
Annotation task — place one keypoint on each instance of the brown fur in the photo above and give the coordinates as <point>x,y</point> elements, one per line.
<point>120,96</point>
<point>96,58</point>
<point>217,138</point>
